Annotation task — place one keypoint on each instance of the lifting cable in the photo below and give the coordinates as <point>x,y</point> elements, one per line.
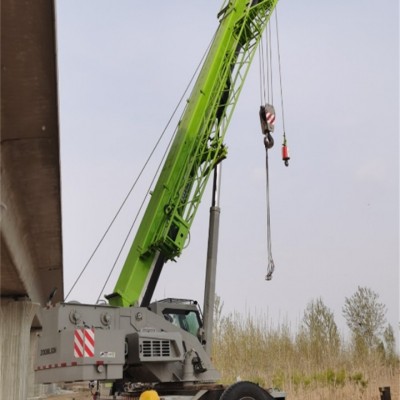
<point>267,119</point>
<point>136,217</point>
<point>136,181</point>
<point>271,264</point>
<point>285,151</point>
<point>117,213</point>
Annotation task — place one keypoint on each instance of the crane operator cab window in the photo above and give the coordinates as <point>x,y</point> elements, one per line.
<point>188,320</point>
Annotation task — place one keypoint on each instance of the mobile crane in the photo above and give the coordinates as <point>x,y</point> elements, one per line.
<point>165,344</point>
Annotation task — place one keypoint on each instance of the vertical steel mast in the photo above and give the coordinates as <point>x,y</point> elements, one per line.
<point>211,266</point>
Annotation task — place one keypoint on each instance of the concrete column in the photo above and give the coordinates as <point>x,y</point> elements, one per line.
<point>34,390</point>
<point>16,320</point>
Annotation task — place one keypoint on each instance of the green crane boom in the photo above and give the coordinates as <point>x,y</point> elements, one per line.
<point>197,148</point>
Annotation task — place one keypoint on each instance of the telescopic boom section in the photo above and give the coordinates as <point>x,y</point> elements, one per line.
<point>197,148</point>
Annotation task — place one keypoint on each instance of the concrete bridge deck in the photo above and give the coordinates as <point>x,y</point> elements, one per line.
<point>31,245</point>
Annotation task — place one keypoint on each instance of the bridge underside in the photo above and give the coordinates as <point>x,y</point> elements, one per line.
<point>31,247</point>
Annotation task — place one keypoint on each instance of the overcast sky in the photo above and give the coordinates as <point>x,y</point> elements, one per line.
<point>123,65</point>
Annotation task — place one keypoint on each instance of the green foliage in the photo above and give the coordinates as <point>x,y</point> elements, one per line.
<point>327,378</point>
<point>298,379</point>
<point>278,379</point>
<point>340,378</point>
<point>359,380</point>
<point>250,348</point>
<point>319,331</point>
<point>331,378</point>
<point>365,316</point>
<point>389,340</point>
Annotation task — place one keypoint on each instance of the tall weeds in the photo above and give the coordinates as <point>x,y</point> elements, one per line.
<point>248,348</point>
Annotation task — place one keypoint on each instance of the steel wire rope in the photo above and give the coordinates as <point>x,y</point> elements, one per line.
<point>266,36</point>
<point>118,211</point>
<point>158,168</point>
<point>265,64</point>
<point>262,74</point>
<point>269,67</point>
<point>269,83</point>
<point>137,179</point>
<point>280,75</point>
<point>136,217</point>
<point>271,264</point>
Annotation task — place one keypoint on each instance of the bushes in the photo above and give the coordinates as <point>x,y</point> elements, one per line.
<point>248,348</point>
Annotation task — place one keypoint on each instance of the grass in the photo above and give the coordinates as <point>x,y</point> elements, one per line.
<point>247,348</point>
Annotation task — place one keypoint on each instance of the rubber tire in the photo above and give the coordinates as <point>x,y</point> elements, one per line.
<point>245,391</point>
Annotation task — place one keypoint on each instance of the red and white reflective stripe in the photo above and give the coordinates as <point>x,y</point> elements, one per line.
<point>270,118</point>
<point>60,365</point>
<point>63,365</point>
<point>84,341</point>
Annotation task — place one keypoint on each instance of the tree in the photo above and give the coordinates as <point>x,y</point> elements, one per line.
<point>389,342</point>
<point>320,331</point>
<point>365,317</point>
<point>217,325</point>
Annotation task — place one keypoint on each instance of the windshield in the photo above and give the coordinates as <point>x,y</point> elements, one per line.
<point>187,320</point>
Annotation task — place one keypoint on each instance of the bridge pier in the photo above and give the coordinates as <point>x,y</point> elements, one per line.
<point>15,337</point>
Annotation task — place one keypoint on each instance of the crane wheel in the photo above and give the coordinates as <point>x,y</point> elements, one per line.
<point>245,391</point>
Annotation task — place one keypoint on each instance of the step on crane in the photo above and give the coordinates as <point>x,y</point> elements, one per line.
<point>165,345</point>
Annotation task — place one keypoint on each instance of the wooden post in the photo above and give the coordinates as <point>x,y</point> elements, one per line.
<point>385,393</point>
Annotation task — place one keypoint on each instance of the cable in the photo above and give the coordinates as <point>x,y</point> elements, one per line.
<point>267,62</point>
<point>271,264</point>
<point>124,201</point>
<point>267,81</point>
<point>140,174</point>
<point>262,75</point>
<point>280,74</point>
<point>265,65</point>
<point>156,173</point>
<point>119,209</point>
<point>270,62</point>
<point>136,217</point>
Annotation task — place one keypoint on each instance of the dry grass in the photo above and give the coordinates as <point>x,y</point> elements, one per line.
<point>348,390</point>
<point>248,349</point>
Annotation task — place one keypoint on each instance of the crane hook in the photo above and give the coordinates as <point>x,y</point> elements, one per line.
<point>268,141</point>
<point>267,119</point>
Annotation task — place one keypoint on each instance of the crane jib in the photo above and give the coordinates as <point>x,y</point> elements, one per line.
<point>197,147</point>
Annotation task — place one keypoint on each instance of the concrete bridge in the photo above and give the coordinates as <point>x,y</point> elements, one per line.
<point>31,245</point>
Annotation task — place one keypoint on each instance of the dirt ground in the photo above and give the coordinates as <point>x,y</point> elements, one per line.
<point>372,393</point>
<point>67,395</point>
<point>77,392</point>
<point>71,396</point>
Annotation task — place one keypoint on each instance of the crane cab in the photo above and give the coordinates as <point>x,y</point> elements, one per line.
<point>184,314</point>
